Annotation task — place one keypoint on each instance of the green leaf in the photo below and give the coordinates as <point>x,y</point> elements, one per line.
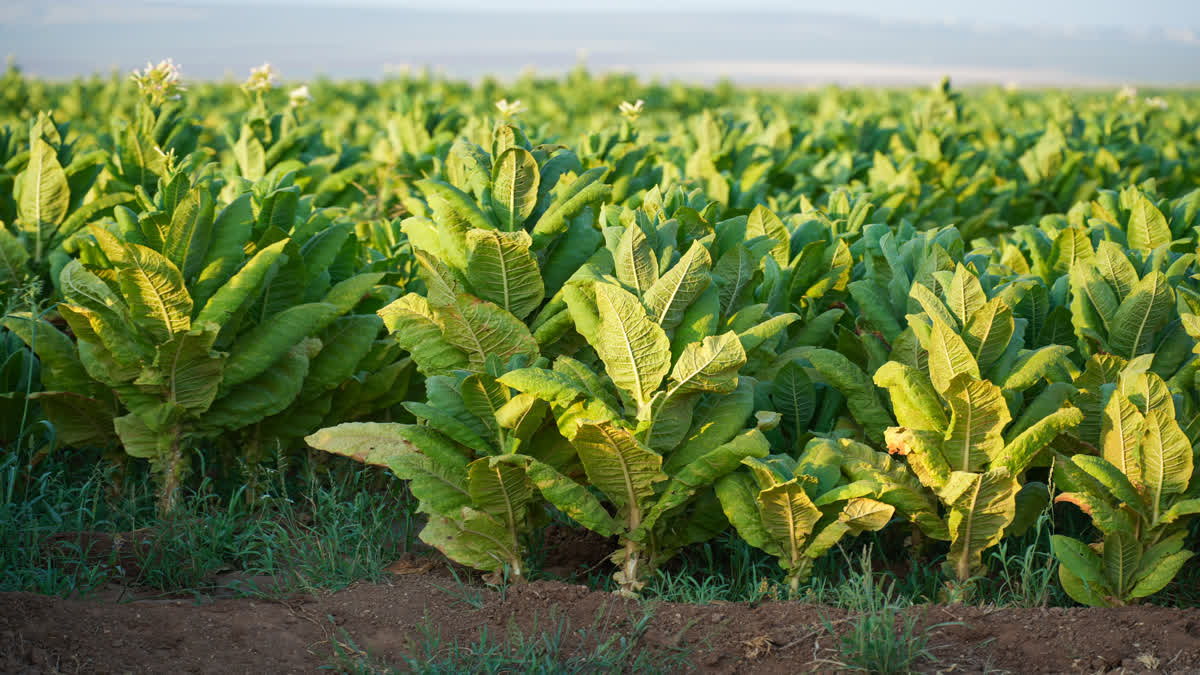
<point>794,397</point>
<point>981,507</point>
<point>1166,458</point>
<point>571,498</point>
<point>763,222</point>
<point>1121,432</point>
<point>1081,572</point>
<point>1020,453</point>
<point>501,269</point>
<point>672,294</point>
<point>635,261</point>
<point>551,386</point>
<point>479,328</point>
<point>635,350</point>
<point>978,415</point>
<point>1141,315</point>
<point>739,500</point>
<point>501,490</point>
<point>259,349</point>
<point>190,233</point>
<point>704,472</point>
<point>159,303</point>
<point>914,400</point>
<point>233,294</point>
<point>709,366</point>
<point>788,516</point>
<point>586,190</point>
<point>856,386</point>
<point>965,296</point>
<point>1148,227</point>
<point>620,467</point>
<point>988,331</point>
<point>949,356</point>
<point>45,196</point>
<point>268,393</point>
<point>514,193</point>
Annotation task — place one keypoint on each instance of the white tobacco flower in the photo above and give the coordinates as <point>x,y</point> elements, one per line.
<point>160,83</point>
<point>508,109</point>
<point>1127,93</point>
<point>1157,102</point>
<point>299,96</point>
<point>261,79</point>
<point>631,111</point>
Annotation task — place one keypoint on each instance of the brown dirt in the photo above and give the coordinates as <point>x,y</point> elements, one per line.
<point>41,634</point>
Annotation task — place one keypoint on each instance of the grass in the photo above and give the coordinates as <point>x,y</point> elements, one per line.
<point>880,637</point>
<point>324,535</point>
<point>548,646</point>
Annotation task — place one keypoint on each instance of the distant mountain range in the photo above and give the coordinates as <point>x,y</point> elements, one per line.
<point>63,39</point>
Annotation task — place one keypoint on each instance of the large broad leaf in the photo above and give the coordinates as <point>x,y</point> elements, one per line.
<point>479,328</point>
<point>266,343</point>
<point>158,300</point>
<point>788,516</point>
<point>1147,229</point>
<point>711,365</point>
<point>45,195</point>
<point>715,425</point>
<point>620,467</point>
<point>949,356</point>
<point>13,257</point>
<point>1166,458</point>
<point>635,260</point>
<point>1121,432</point>
<point>268,393</point>
<point>669,297</point>
<point>514,193</point>
<point>739,499</point>
<point>988,331</point>
<point>981,506</point>
<point>1141,315</point>
<point>704,472</point>
<point>61,369</point>
<point>763,222</point>
<point>190,232</point>
<point>978,415</point>
<point>344,344</point>
<point>473,538</point>
<point>501,269</point>
<point>500,489</point>
<point>914,400</point>
<point>187,369</point>
<point>1115,268</point>
<point>964,295</point>
<point>554,387</point>
<point>234,293</point>
<point>586,190</point>
<point>1081,572</point>
<point>416,329</point>
<point>635,350</point>
<point>570,497</point>
<point>1022,450</point>
<point>794,397</point>
<point>856,386</point>
<point>437,471</point>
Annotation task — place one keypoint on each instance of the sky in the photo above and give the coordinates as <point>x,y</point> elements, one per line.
<point>1110,13</point>
<point>775,42</point>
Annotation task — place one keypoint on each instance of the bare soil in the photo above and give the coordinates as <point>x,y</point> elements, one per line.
<point>122,631</point>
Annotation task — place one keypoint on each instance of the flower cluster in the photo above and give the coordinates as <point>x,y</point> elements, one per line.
<point>1127,93</point>
<point>299,96</point>
<point>1157,102</point>
<point>159,83</point>
<point>631,111</point>
<point>508,109</point>
<point>261,79</point>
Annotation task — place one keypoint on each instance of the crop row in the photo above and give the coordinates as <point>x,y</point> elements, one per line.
<point>800,316</point>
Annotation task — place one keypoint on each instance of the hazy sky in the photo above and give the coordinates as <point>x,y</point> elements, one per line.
<point>1113,13</point>
<point>1027,42</point>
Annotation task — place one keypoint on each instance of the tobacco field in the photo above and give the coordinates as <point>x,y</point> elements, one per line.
<point>735,350</point>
